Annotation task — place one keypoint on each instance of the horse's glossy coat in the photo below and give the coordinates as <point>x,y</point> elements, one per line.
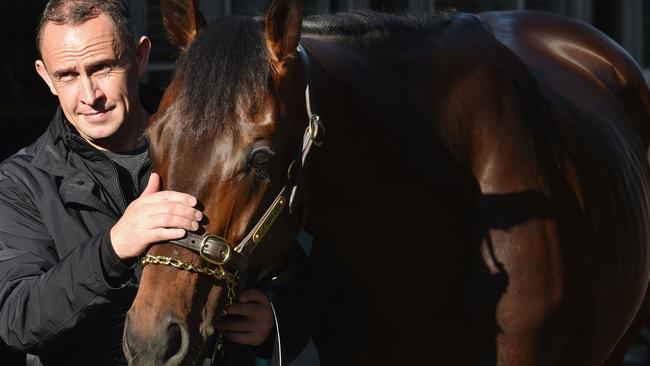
<point>482,197</point>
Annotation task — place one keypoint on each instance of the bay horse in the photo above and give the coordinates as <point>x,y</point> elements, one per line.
<point>480,195</point>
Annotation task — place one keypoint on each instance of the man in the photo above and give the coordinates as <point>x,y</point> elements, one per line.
<point>73,215</point>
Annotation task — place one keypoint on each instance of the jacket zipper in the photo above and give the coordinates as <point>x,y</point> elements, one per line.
<point>116,177</point>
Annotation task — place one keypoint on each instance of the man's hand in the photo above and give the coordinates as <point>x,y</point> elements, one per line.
<point>249,320</point>
<point>155,216</point>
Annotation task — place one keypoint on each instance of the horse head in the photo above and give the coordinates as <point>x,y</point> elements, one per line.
<point>223,133</point>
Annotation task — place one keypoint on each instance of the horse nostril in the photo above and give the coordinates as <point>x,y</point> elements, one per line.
<point>177,343</point>
<point>174,341</point>
<point>125,341</point>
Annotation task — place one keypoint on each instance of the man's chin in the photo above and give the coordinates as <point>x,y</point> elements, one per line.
<point>100,135</point>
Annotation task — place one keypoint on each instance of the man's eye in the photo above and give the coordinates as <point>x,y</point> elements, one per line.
<point>67,76</point>
<point>102,69</point>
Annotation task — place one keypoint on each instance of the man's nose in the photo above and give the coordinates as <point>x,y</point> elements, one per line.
<point>89,91</point>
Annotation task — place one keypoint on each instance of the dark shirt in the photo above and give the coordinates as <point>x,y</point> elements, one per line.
<point>129,164</point>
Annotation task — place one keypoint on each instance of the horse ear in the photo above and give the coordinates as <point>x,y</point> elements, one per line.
<point>282,30</point>
<point>182,20</point>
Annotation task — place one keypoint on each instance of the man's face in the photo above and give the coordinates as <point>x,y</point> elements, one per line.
<point>95,79</point>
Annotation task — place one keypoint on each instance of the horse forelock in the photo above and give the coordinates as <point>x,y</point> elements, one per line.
<point>224,70</point>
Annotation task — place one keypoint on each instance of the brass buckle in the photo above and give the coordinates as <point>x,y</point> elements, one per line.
<point>206,256</point>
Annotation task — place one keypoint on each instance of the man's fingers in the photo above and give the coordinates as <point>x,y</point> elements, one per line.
<point>249,320</point>
<point>155,216</point>
<point>161,234</point>
<point>176,209</point>
<point>174,196</point>
<point>253,295</point>
<point>169,196</point>
<point>153,185</point>
<point>173,221</point>
<point>236,324</point>
<point>244,338</point>
<point>245,309</point>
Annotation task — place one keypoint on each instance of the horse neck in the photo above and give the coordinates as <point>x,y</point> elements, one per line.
<point>378,145</point>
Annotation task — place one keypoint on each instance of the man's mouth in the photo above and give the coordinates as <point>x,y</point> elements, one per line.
<point>95,115</point>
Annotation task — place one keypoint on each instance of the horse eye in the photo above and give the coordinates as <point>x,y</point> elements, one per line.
<point>260,157</point>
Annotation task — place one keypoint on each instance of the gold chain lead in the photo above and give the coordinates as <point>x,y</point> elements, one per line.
<point>218,273</point>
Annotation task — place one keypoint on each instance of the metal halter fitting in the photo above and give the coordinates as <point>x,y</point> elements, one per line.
<point>231,261</point>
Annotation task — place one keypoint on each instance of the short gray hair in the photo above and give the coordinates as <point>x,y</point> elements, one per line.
<point>76,12</point>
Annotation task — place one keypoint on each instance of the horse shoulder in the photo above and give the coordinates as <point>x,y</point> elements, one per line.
<point>534,233</point>
<point>597,131</point>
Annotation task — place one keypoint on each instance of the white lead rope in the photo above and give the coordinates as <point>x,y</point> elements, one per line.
<point>276,359</point>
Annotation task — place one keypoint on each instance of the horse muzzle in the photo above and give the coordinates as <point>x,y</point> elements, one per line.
<point>166,344</point>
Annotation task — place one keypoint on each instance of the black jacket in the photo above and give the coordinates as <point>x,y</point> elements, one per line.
<point>59,198</point>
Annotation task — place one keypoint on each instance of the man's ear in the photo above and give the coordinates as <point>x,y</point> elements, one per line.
<point>142,50</point>
<point>42,71</point>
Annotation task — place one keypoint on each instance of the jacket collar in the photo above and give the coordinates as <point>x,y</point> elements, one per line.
<point>51,150</point>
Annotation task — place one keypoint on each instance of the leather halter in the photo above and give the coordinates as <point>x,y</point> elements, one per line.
<point>233,260</point>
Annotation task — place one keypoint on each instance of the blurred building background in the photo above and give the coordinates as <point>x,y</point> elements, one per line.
<point>626,21</point>
<point>26,104</point>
